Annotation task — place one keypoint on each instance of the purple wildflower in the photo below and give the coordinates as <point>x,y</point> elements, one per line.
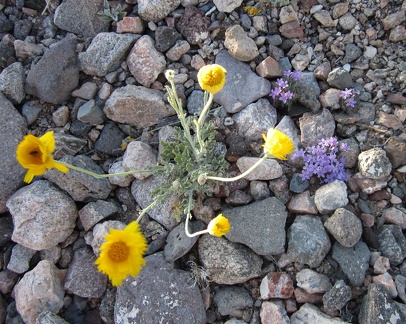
<point>345,94</point>
<point>322,161</point>
<point>351,102</point>
<point>296,75</point>
<point>275,92</point>
<point>285,96</point>
<point>287,73</point>
<point>282,83</point>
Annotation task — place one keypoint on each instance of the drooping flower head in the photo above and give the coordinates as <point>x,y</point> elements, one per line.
<point>35,155</point>
<point>212,78</point>
<point>277,144</point>
<point>219,226</point>
<point>122,253</point>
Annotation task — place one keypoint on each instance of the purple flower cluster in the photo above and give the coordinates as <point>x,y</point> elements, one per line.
<point>322,160</point>
<point>282,91</point>
<point>348,95</point>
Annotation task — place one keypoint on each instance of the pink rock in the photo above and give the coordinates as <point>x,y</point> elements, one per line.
<point>269,68</point>
<point>302,296</point>
<point>393,215</point>
<point>274,312</point>
<point>276,285</point>
<point>292,30</point>
<point>303,203</point>
<point>130,25</point>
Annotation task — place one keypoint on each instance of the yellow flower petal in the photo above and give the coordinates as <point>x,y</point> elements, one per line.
<point>219,226</point>
<point>277,144</point>
<point>212,78</point>
<point>35,154</point>
<point>122,253</point>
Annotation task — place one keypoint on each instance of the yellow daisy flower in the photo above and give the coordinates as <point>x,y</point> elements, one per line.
<point>35,154</point>
<point>277,144</point>
<point>212,78</point>
<point>219,226</point>
<point>122,253</point>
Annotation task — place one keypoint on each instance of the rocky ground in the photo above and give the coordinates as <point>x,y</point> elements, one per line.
<point>297,252</point>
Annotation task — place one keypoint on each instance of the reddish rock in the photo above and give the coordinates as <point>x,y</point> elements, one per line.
<point>269,68</point>
<point>393,215</point>
<point>396,98</point>
<point>292,29</point>
<point>130,25</point>
<point>193,25</point>
<point>274,312</point>
<point>276,285</point>
<point>389,120</point>
<point>380,195</point>
<point>302,296</point>
<point>303,203</point>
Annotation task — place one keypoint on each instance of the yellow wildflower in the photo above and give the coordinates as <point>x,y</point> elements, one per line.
<point>122,253</point>
<point>277,144</point>
<point>212,78</point>
<point>219,226</point>
<point>35,154</point>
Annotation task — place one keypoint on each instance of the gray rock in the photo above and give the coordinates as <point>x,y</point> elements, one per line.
<point>106,53</point>
<point>178,243</point>
<point>238,198</point>
<point>145,62</point>
<point>137,106</point>
<point>260,226</point>
<point>308,242</point>
<point>309,313</point>
<point>66,144</point>
<point>43,216</point>
<point>228,263</point>
<point>12,80</point>
<point>8,279</point>
<point>314,127</point>
<point>374,164</point>
<point>259,190</point>
<point>273,310</point>
<point>351,155</point>
<point>176,52</point>
<point>87,91</point>
<point>267,170</point>
<point>6,229</point>
<point>163,214</point>
<point>331,196</point>
<point>155,10</point>
<point>255,120</point>
<point>94,212</point>
<point>345,226</point>
<point>39,290</point>
<point>400,282</point>
<point>82,278</point>
<point>227,5</point>
<point>47,317</point>
<point>81,186</point>
<point>378,307</point>
<point>61,116</point>
<point>30,111</point>
<point>12,129</point>
<point>347,21</point>
<point>231,300</point>
<point>165,38</point>
<point>80,17</point>
<point>110,140</point>
<point>340,78</point>
<point>338,296</point>
<point>20,259</point>
<point>54,77</point>
<point>195,102</point>
<point>352,52</point>
<point>392,243</point>
<point>354,261</point>
<point>139,156</point>
<point>193,25</point>
<point>313,282</point>
<point>242,87</point>
<point>122,181</point>
<point>297,184</point>
<point>239,44</point>
<point>308,91</point>
<point>166,291</point>
<point>22,28</point>
<point>91,113</point>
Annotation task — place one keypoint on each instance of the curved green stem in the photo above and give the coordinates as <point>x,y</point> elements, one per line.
<point>100,176</point>
<point>242,175</point>
<point>143,212</point>
<point>188,217</point>
<point>201,120</point>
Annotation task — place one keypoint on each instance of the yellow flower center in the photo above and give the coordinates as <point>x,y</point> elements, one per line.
<point>36,156</point>
<point>214,77</point>
<point>118,252</point>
